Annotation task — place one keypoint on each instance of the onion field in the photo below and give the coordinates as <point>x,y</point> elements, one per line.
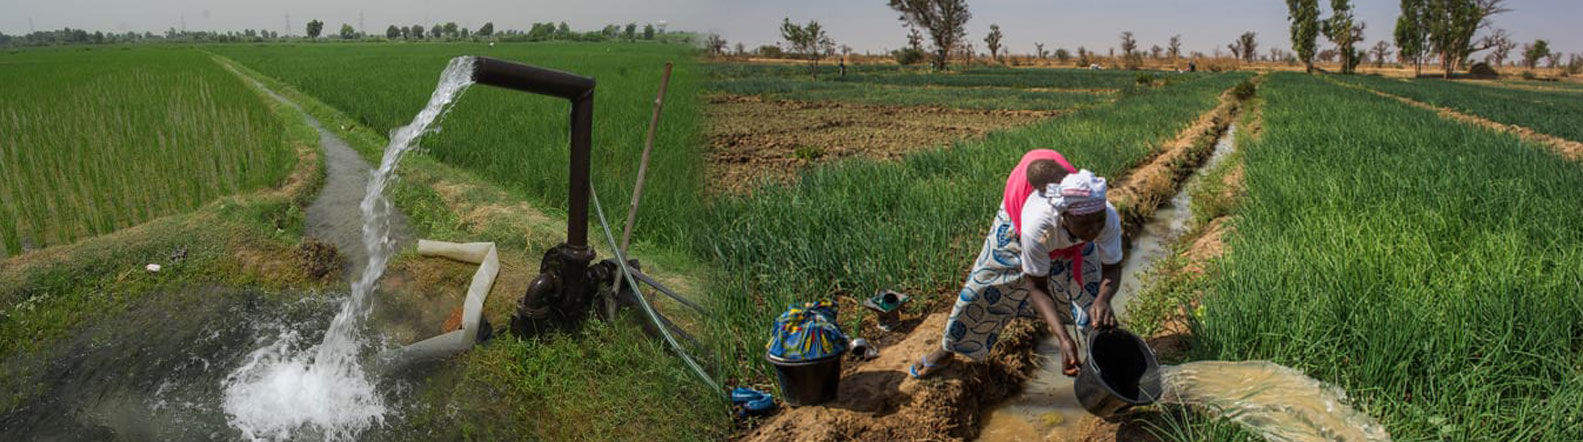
<point>1430,268</point>
<point>1554,113</point>
<point>95,141</point>
<point>860,225</point>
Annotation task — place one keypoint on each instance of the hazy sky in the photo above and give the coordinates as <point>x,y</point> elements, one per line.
<point>863,24</point>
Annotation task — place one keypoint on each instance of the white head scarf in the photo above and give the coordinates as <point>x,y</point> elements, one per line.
<point>1079,193</point>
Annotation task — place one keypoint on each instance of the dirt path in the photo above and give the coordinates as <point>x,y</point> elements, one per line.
<point>1568,149</point>
<point>879,401</point>
<point>752,140</point>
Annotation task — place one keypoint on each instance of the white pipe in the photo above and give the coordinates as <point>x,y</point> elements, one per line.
<point>488,260</point>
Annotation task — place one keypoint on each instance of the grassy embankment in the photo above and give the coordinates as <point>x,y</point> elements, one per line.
<point>1435,280</point>
<point>96,141</point>
<point>1549,112</point>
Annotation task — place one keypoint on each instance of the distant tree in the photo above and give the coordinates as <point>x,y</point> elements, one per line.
<point>314,28</point>
<point>465,33</point>
<point>716,44</point>
<point>1553,60</point>
<point>648,32</point>
<point>563,31</point>
<point>1304,18</point>
<point>487,29</point>
<point>914,39</point>
<point>1245,47</point>
<point>992,41</point>
<point>1451,25</point>
<point>1381,49</point>
<point>1574,64</point>
<point>1346,32</point>
<point>1155,51</point>
<point>769,51</point>
<point>945,20</point>
<point>1412,33</point>
<point>1174,47</point>
<point>741,50</point>
<point>1062,55</point>
<point>392,32</point>
<point>631,32</point>
<point>1128,44</point>
<point>1501,45</point>
<point>347,32</point>
<point>809,42</point>
<point>1328,55</point>
<point>417,32</point>
<point>450,29</point>
<point>1532,52</point>
<point>438,31</point>
<point>1082,56</point>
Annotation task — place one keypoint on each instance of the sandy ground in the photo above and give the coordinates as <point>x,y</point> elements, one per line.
<point>752,139</point>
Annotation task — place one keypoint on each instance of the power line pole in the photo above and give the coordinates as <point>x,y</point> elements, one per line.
<point>288,24</point>
<point>360,27</point>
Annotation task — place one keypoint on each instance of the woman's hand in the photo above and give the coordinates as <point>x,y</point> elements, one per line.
<point>1069,361</point>
<point>1101,314</point>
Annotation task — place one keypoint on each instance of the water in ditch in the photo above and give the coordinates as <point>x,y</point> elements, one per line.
<point>1275,401</point>
<point>293,384</point>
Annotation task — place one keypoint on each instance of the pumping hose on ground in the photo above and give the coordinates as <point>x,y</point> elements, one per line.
<point>626,275</point>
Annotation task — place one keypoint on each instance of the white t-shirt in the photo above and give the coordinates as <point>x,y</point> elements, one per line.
<point>1042,232</point>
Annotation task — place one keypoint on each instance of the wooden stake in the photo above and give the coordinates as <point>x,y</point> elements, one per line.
<point>643,166</point>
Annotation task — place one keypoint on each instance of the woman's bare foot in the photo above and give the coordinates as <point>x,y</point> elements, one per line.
<point>928,363</point>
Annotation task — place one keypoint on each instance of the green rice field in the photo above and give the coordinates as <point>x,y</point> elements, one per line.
<point>519,141</point>
<point>96,141</point>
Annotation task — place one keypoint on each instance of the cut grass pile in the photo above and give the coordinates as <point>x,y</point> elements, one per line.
<point>1550,112</point>
<point>912,225</point>
<point>95,141</point>
<point>518,140</point>
<point>1429,268</point>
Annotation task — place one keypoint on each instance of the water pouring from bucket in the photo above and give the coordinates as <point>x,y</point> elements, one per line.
<point>287,386</point>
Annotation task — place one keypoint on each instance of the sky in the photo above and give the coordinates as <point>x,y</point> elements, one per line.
<point>865,25</point>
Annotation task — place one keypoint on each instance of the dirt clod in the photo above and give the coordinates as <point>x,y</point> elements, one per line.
<point>319,259</point>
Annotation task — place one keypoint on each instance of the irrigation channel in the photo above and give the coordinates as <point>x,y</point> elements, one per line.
<point>1277,402</point>
<point>215,363</point>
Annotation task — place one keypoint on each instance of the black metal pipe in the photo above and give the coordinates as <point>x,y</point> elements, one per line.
<point>580,91</point>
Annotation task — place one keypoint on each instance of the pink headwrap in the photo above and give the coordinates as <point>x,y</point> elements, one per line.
<point>1018,188</point>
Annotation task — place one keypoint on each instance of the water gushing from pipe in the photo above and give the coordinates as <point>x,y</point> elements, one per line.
<point>283,388</point>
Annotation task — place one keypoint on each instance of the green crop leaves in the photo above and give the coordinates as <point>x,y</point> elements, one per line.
<point>91,142</point>
<point>1430,268</point>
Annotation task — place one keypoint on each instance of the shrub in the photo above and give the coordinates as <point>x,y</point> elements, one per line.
<point>1244,90</point>
<point>908,56</point>
<point>1144,79</point>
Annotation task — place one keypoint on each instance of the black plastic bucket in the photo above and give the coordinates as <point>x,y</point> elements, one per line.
<point>810,382</point>
<point>1119,372</point>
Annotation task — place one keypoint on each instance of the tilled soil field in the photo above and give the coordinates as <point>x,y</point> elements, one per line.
<point>752,140</point>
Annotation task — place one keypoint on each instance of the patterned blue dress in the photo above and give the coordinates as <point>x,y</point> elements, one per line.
<point>994,293</point>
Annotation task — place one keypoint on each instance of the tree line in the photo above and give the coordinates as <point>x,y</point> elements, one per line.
<point>315,30</point>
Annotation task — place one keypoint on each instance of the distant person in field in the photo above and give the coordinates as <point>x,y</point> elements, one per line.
<point>1053,252</point>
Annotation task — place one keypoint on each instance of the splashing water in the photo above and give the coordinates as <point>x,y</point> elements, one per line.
<point>1275,401</point>
<point>283,388</point>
